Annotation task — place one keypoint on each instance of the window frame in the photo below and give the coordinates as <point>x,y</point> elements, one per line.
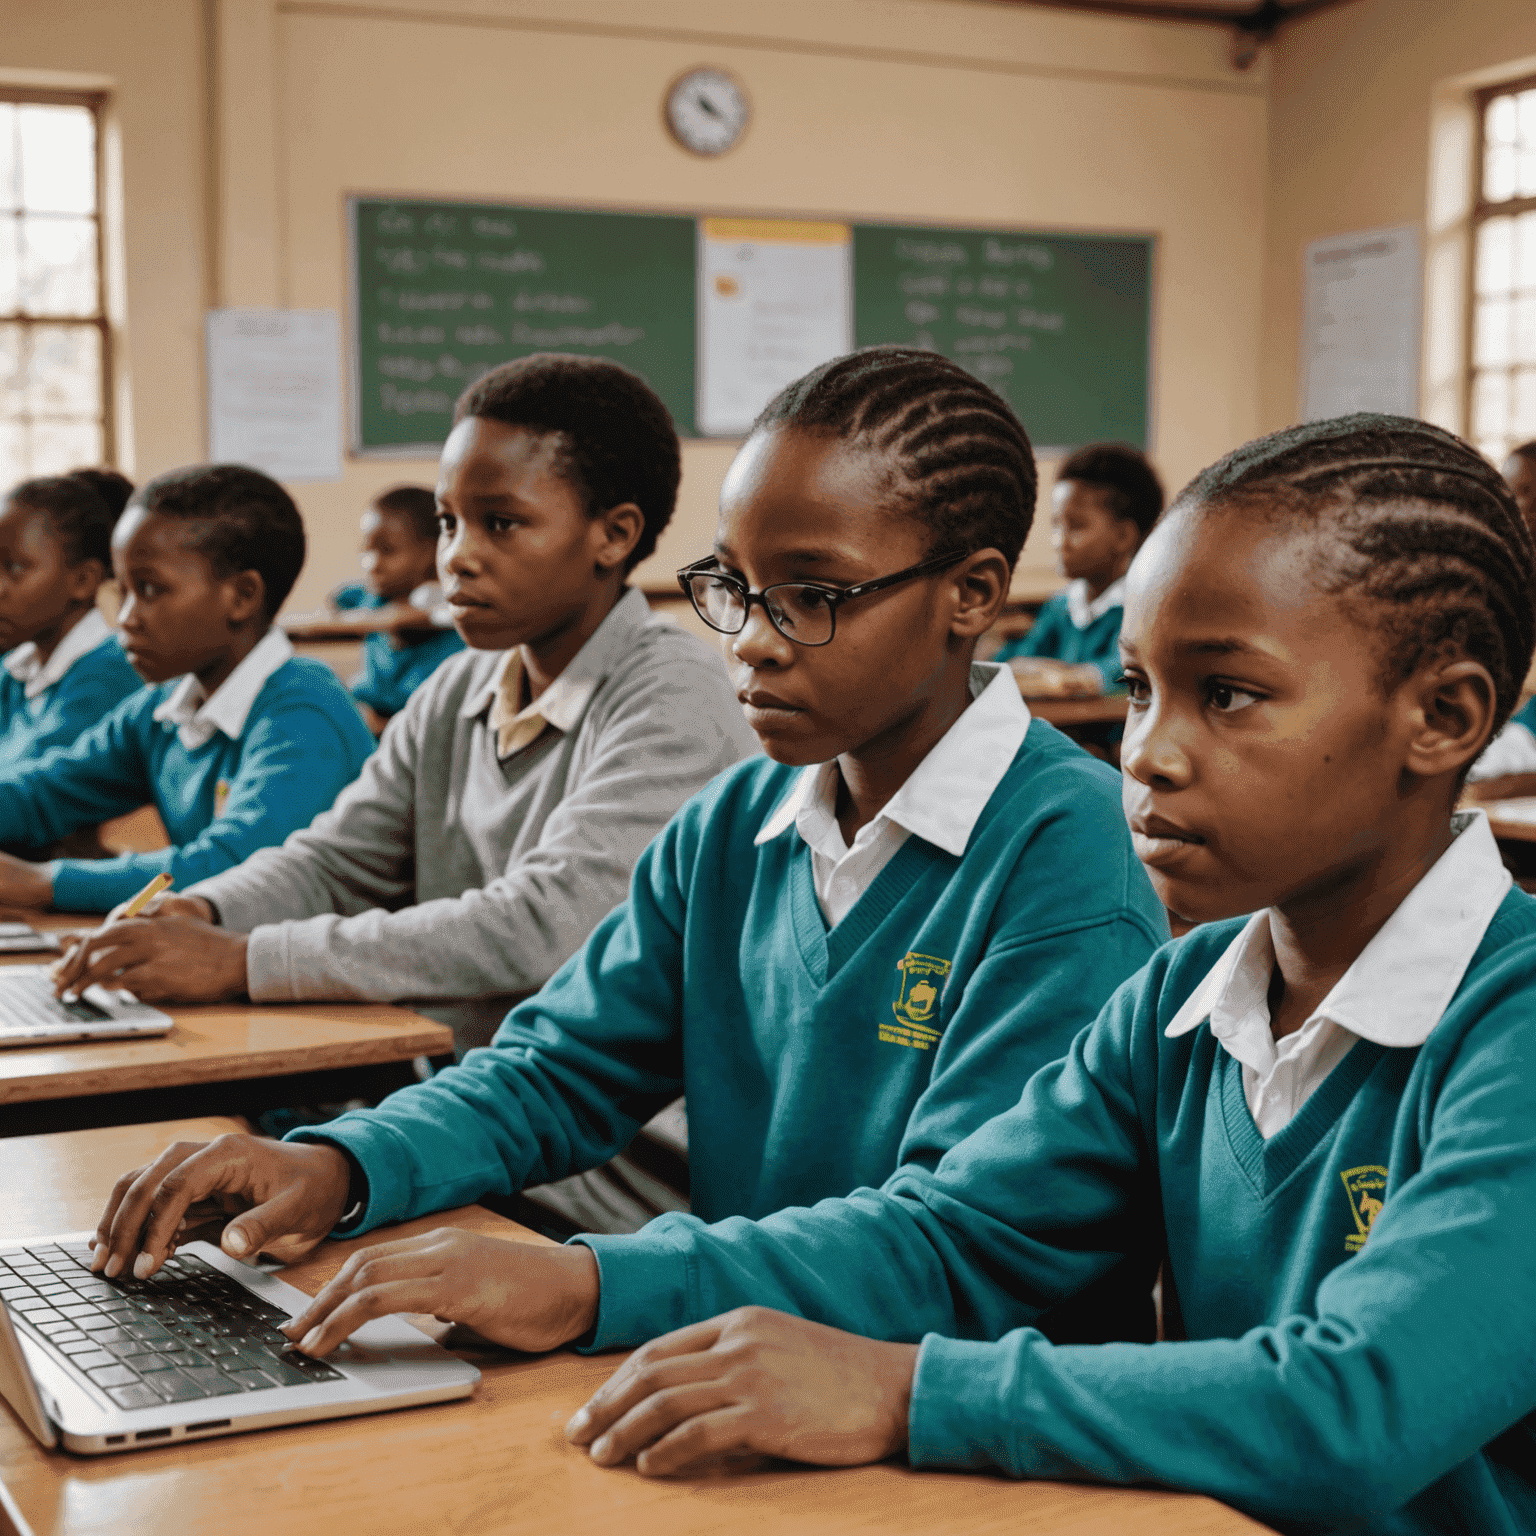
<point>1482,211</point>
<point>94,102</point>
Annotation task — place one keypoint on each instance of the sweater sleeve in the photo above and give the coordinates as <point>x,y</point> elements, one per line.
<point>571,1076</point>
<point>669,734</point>
<point>293,763</point>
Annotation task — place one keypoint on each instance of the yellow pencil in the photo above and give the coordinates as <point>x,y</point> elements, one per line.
<point>161,882</point>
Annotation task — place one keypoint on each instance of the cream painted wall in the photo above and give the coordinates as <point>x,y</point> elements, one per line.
<point>1359,96</point>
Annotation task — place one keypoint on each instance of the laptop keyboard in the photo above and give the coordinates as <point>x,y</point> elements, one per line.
<point>186,1333</point>
<point>29,1007</point>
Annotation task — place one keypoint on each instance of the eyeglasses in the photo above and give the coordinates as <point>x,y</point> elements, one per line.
<point>802,611</point>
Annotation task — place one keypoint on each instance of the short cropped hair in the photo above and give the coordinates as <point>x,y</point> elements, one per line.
<point>615,440</point>
<point>112,487</point>
<point>1125,478</point>
<point>238,519</point>
<point>1526,451</point>
<point>416,505</point>
<point>74,512</point>
<point>962,460</point>
<point>1423,533</point>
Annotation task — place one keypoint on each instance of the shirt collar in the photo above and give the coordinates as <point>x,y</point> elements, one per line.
<point>1403,980</point>
<point>197,716</point>
<point>562,703</point>
<point>1082,612</point>
<point>944,796</point>
<point>84,635</point>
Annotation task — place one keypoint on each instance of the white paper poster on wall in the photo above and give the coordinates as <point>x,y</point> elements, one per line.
<point>775,299</point>
<point>1360,334</point>
<point>274,391</point>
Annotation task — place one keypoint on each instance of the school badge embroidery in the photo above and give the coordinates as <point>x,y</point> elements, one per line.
<point>1364,1187</point>
<point>920,983</point>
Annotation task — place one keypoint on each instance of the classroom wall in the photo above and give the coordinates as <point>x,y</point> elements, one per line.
<point>1365,99</point>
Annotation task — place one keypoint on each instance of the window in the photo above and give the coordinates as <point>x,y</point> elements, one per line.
<point>1502,371</point>
<point>54,339</point>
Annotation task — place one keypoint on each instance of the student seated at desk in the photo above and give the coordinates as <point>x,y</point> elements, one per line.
<point>64,668</point>
<point>239,744</point>
<point>851,952</point>
<point>1106,499</point>
<point>1520,471</point>
<point>399,569</point>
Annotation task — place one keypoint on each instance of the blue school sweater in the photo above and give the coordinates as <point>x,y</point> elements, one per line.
<point>91,688</point>
<point>389,676</point>
<point>813,1060</point>
<point>1344,1363</point>
<point>303,742</point>
<point>1054,634</point>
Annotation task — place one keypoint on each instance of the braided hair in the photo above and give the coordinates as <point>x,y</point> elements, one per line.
<point>79,510</point>
<point>963,458</point>
<point>1425,536</point>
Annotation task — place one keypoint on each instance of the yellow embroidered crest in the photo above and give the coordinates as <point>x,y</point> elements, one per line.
<point>1365,1188</point>
<point>916,1005</point>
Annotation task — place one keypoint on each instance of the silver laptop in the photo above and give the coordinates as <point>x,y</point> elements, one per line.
<point>102,1365</point>
<point>31,1015</point>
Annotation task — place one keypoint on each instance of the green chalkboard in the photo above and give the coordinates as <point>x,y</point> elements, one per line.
<point>444,291</point>
<point>1057,323</point>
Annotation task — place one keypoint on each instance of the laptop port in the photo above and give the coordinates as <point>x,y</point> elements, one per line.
<point>193,1429</point>
<point>117,1439</point>
<point>153,1434</point>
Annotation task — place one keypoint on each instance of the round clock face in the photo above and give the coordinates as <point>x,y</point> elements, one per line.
<point>707,111</point>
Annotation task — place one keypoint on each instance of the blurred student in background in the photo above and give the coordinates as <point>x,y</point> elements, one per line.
<point>65,668</point>
<point>241,742</point>
<point>400,584</point>
<point>1106,499</point>
<point>1520,471</point>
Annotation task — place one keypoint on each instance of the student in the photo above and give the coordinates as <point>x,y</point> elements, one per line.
<point>1106,499</point>
<point>1322,1116</point>
<point>64,669</point>
<point>1520,471</point>
<point>850,952</point>
<point>399,573</point>
<point>239,744</point>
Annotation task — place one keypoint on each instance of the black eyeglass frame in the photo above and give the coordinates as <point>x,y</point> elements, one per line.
<point>835,596</point>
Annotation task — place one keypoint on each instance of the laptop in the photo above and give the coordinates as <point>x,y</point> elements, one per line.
<point>99,1365</point>
<point>31,1015</point>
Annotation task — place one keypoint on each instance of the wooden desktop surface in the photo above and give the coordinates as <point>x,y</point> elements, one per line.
<point>494,1464</point>
<point>1513,820</point>
<point>217,1043</point>
<point>1104,710</point>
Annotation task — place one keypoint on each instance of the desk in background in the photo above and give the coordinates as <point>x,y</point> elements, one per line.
<point>496,1464</point>
<point>1513,821</point>
<point>1106,709</point>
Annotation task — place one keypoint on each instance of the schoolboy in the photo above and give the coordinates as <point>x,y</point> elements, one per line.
<point>850,953</point>
<point>399,578</point>
<point>507,803</point>
<point>63,668</point>
<point>1106,499</point>
<point>240,743</point>
<point>1520,471</point>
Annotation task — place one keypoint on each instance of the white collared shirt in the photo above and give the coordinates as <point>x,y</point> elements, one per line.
<point>1513,750</point>
<point>197,717</point>
<point>1082,612</point>
<point>1394,993</point>
<point>83,636</point>
<point>940,802</point>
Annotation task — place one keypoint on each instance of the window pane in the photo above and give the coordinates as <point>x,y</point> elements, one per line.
<point>13,386</point>
<point>10,192</point>
<point>1523,415</point>
<point>1525,329</point>
<point>1503,120</point>
<point>1525,243</point>
<point>64,372</point>
<point>1495,256</point>
<point>1490,332</point>
<point>1499,173</point>
<point>58,159</point>
<point>58,266</point>
<point>1525,112</point>
<point>1525,174</point>
<point>1490,404</point>
<point>13,453</point>
<point>59,446</point>
<point>10,265</point>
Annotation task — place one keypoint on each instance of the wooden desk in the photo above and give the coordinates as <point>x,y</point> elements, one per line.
<point>1513,820</point>
<point>1107,709</point>
<point>497,1463</point>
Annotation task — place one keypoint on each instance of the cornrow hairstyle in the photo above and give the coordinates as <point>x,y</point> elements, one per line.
<point>615,440</point>
<point>963,459</point>
<point>113,488</point>
<point>75,514</point>
<point>416,505</point>
<point>1125,478</point>
<point>238,519</point>
<point>1425,534</point>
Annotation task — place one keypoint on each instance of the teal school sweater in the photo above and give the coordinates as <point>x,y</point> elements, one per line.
<point>1054,634</point>
<point>1526,716</point>
<point>303,742</point>
<point>813,1060</point>
<point>389,676</point>
<point>92,687</point>
<point>1354,1295</point>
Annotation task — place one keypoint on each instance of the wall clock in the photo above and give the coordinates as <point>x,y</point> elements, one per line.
<point>707,111</point>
